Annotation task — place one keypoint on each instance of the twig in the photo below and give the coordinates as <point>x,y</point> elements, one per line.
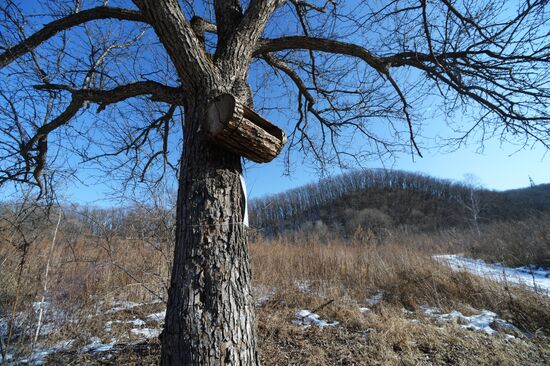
<point>322,306</point>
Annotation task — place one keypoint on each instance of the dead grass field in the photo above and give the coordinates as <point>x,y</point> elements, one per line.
<point>335,279</point>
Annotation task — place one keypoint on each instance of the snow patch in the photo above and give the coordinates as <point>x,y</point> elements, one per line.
<point>304,286</point>
<point>37,305</point>
<point>484,321</point>
<point>38,356</point>
<point>157,317</point>
<point>96,346</point>
<point>123,305</point>
<point>134,322</point>
<point>306,318</point>
<point>147,332</point>
<point>537,279</point>
<point>375,299</point>
<point>3,327</point>
<point>64,345</point>
<point>47,328</point>
<point>262,294</point>
<point>9,357</point>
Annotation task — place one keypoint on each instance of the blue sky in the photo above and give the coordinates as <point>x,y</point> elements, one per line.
<point>497,166</point>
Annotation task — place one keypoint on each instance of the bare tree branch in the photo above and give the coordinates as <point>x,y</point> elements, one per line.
<point>284,67</point>
<point>179,40</point>
<point>69,21</point>
<point>240,46</point>
<point>201,26</point>
<point>228,15</point>
<point>324,45</point>
<point>158,92</point>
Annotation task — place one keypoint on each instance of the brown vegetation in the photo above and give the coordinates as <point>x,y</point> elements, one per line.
<point>337,277</point>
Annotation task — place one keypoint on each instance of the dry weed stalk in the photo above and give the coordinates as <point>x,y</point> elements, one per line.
<point>46,273</point>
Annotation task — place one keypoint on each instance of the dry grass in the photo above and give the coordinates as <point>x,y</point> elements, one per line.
<point>388,337</point>
<point>515,243</point>
<point>406,277</point>
<point>286,278</point>
<point>309,275</point>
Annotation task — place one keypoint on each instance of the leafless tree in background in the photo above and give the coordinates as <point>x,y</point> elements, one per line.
<point>472,200</point>
<point>124,85</point>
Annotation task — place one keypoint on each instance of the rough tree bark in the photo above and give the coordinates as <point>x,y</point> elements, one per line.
<point>210,313</point>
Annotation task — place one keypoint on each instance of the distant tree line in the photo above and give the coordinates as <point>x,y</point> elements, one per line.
<point>133,221</point>
<point>374,200</point>
<point>379,199</point>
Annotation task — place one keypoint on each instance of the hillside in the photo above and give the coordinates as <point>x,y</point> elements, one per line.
<point>379,200</point>
<point>535,198</point>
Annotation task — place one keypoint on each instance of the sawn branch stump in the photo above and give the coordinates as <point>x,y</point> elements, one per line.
<point>239,129</point>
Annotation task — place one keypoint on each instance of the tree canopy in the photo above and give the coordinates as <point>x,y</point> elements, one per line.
<point>96,80</point>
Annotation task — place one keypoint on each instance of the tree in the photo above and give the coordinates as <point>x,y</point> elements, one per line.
<point>471,201</point>
<point>354,68</point>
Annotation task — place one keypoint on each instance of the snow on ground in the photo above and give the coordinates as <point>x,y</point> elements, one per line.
<point>157,317</point>
<point>262,294</point>
<point>96,346</point>
<point>150,325</point>
<point>307,318</point>
<point>8,357</point>
<point>372,301</point>
<point>124,305</point>
<point>136,322</point>
<point>303,286</point>
<point>537,279</point>
<point>376,298</point>
<point>147,332</point>
<point>38,356</point>
<point>140,329</point>
<point>27,322</point>
<point>485,321</point>
<point>3,327</point>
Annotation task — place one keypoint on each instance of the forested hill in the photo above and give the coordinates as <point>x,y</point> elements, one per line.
<point>379,199</point>
<point>535,197</point>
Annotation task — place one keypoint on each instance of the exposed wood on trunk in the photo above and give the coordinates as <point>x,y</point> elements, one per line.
<point>241,130</point>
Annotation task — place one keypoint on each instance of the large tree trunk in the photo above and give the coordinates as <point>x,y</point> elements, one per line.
<point>210,315</point>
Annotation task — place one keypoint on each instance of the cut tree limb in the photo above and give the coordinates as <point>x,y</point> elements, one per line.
<point>241,130</point>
